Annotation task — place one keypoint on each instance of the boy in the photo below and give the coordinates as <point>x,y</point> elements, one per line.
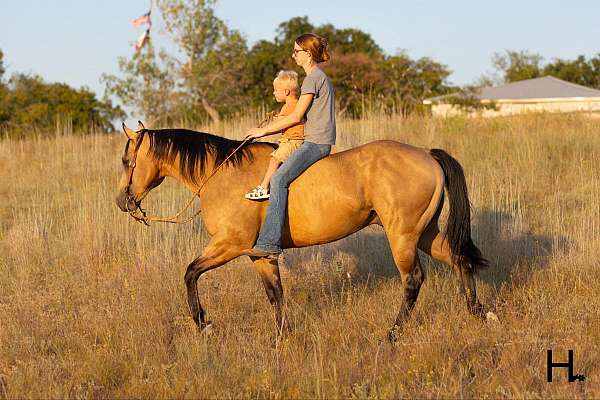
<point>285,89</point>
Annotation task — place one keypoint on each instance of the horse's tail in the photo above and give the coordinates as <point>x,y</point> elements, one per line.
<point>458,230</point>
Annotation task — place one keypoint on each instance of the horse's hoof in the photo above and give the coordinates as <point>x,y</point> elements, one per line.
<point>491,317</point>
<point>284,329</point>
<point>206,328</point>
<point>394,335</point>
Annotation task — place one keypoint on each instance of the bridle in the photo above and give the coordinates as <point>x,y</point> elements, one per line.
<point>128,196</point>
<point>142,217</point>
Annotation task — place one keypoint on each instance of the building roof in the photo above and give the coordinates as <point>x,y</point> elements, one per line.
<point>547,87</point>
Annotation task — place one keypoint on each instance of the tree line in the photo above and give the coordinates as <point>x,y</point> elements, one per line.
<point>512,66</point>
<point>215,74</point>
<point>28,104</point>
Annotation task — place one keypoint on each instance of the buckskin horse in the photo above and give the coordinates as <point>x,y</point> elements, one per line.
<point>394,185</point>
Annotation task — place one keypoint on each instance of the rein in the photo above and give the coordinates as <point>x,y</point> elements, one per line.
<point>144,218</point>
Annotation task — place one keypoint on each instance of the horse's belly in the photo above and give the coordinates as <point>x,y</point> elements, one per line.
<point>324,215</point>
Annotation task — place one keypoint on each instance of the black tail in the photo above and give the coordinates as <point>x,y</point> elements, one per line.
<point>458,231</point>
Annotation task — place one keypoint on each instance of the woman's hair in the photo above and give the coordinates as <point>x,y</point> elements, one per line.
<point>315,45</point>
<point>289,79</point>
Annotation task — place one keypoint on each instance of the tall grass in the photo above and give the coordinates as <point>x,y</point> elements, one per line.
<point>93,305</point>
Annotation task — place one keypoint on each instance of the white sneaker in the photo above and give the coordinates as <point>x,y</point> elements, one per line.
<point>258,193</point>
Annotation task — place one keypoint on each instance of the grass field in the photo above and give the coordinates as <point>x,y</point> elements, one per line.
<point>92,305</point>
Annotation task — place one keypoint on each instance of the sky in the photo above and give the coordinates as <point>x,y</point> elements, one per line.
<point>75,41</point>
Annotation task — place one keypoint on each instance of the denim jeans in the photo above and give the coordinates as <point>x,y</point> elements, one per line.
<point>269,237</point>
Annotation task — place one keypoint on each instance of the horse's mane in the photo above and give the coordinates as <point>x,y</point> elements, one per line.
<point>192,148</point>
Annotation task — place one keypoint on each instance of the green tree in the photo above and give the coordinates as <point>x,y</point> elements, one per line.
<point>2,70</point>
<point>344,41</point>
<point>467,99</point>
<point>216,74</point>
<point>518,65</point>
<point>341,41</point>
<point>30,104</point>
<point>361,73</point>
<point>212,69</point>
<point>146,85</point>
<point>408,82</point>
<point>4,112</point>
<point>580,71</point>
<point>265,58</point>
<point>357,79</point>
<point>207,77</point>
<point>263,62</point>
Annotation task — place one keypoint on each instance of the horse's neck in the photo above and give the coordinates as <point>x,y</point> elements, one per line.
<point>172,169</point>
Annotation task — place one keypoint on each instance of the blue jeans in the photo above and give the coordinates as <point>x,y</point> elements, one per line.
<point>269,237</point>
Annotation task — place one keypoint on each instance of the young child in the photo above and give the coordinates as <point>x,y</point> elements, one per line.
<point>285,89</point>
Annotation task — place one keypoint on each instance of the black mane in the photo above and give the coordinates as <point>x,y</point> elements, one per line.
<point>192,148</point>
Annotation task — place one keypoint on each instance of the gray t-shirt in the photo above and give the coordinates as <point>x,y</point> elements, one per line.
<point>320,116</point>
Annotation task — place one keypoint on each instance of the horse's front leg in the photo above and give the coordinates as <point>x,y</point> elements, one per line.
<point>218,252</point>
<point>268,270</point>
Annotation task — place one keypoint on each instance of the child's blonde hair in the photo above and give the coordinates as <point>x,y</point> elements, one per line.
<point>289,79</point>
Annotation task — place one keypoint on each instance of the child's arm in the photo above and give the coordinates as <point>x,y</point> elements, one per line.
<point>281,123</point>
<point>268,119</point>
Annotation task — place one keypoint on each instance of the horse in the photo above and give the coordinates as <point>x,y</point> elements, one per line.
<point>397,186</point>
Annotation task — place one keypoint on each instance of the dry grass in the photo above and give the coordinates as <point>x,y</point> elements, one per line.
<point>92,305</point>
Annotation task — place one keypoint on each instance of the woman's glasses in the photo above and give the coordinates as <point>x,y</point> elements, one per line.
<point>296,51</point>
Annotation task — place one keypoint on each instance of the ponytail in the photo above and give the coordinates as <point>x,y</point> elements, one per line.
<point>316,45</point>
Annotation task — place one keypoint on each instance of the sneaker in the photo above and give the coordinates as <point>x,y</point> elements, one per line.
<point>258,193</point>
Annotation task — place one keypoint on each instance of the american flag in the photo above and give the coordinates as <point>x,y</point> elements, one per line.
<point>144,19</point>
<point>142,40</point>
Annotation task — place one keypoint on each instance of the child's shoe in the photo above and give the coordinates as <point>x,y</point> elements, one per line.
<point>258,193</point>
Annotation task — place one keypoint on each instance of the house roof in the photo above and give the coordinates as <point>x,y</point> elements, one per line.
<point>538,88</point>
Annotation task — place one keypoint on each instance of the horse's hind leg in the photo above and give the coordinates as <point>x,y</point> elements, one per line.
<point>434,243</point>
<point>407,261</point>
<point>268,269</point>
<point>411,284</point>
<point>468,285</point>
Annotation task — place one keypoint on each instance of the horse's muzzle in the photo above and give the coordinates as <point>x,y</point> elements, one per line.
<point>125,202</point>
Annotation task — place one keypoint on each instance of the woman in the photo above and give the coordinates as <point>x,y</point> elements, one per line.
<point>317,104</point>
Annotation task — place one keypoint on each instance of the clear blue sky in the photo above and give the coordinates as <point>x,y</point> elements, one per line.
<point>75,41</point>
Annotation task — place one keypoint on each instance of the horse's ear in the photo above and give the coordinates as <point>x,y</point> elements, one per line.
<point>140,126</point>
<point>129,133</point>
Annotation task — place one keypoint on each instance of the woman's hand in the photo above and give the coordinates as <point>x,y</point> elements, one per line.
<point>255,133</point>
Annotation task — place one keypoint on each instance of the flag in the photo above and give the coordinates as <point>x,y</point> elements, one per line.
<point>142,40</point>
<point>144,19</point>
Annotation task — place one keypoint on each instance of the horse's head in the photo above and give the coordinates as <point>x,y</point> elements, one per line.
<point>141,173</point>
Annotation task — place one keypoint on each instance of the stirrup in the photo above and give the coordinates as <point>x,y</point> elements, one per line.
<point>258,193</point>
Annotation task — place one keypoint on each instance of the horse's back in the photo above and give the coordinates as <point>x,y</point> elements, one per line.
<point>345,188</point>
<point>374,167</point>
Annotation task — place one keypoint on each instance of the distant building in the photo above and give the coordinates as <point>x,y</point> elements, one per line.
<point>547,94</point>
